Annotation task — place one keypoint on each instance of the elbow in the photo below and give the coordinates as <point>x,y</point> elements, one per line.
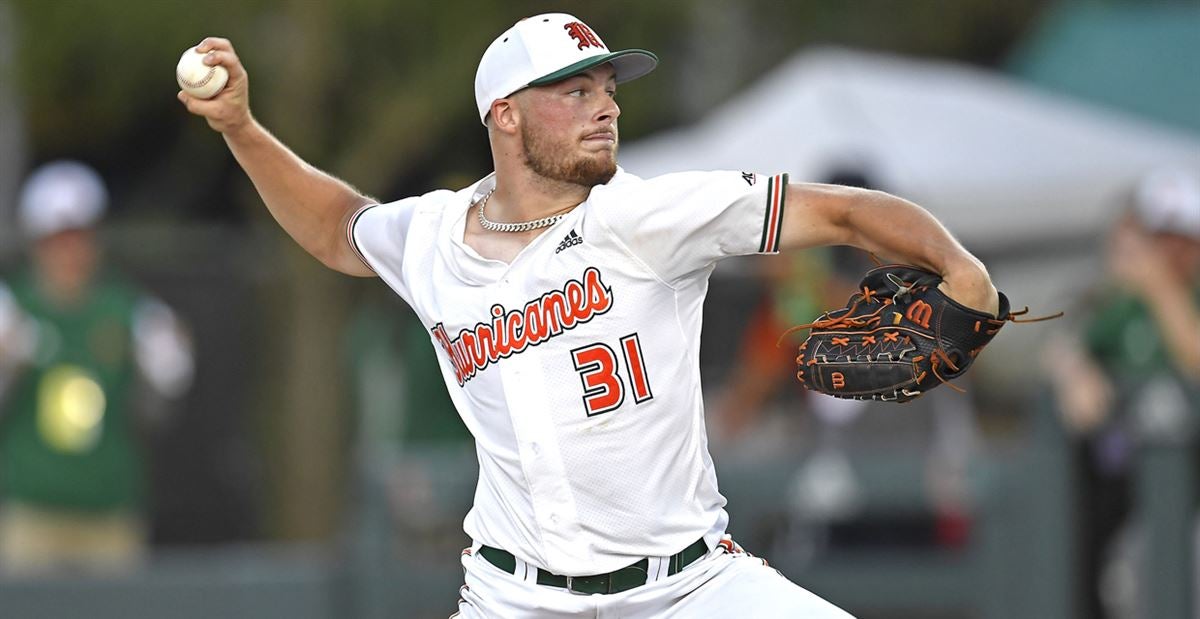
<point>323,247</point>
<point>326,257</point>
<point>336,254</point>
<point>335,249</point>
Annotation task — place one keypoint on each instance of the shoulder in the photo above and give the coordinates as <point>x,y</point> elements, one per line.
<point>626,182</point>
<point>626,186</point>
<point>433,205</point>
<point>383,234</point>
<point>390,221</point>
<point>429,203</point>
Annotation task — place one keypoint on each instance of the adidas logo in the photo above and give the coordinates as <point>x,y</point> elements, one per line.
<point>572,239</point>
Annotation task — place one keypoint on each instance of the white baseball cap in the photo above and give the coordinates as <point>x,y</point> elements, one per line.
<point>1169,201</point>
<point>61,195</point>
<point>544,49</point>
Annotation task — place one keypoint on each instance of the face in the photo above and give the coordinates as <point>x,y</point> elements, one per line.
<point>66,260</point>
<point>569,128</point>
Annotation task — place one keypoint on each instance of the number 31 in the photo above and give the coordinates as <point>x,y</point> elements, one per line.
<point>603,388</point>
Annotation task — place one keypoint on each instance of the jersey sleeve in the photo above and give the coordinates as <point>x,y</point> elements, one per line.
<point>377,233</point>
<point>680,223</point>
<point>18,336</point>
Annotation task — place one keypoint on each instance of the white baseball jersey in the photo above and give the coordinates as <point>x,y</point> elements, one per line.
<point>577,366</point>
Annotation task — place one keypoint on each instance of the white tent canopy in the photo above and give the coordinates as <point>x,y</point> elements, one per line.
<point>996,160</point>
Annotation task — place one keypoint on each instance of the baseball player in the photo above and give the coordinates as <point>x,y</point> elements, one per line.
<point>564,297</point>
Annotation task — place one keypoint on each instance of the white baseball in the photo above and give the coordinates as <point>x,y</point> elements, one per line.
<point>198,79</point>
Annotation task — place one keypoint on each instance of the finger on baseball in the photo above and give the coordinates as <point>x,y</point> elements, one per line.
<point>227,59</point>
<point>200,107</point>
<point>211,43</point>
<point>189,102</point>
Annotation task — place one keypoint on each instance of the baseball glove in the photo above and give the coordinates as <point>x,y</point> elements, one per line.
<point>898,337</point>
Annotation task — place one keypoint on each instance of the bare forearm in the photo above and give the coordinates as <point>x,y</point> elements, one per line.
<point>890,227</point>
<point>896,229</point>
<point>308,203</point>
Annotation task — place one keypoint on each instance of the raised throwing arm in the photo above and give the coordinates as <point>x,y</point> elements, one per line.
<point>312,206</point>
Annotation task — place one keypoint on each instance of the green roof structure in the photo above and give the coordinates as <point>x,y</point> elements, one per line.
<point>1142,58</point>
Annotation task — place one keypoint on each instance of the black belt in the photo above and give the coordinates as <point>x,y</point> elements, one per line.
<point>623,579</point>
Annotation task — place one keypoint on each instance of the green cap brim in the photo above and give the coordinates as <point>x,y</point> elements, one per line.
<point>629,64</point>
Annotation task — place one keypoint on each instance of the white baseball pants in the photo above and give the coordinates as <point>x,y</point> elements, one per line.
<point>721,585</point>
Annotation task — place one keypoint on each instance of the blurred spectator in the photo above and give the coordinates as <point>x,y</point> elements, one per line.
<point>1144,329</point>
<point>411,424</point>
<point>797,291</point>
<point>82,353</point>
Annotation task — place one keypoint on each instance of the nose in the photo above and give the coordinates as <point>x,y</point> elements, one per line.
<point>609,112</point>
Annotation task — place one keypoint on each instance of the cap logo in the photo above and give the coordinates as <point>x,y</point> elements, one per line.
<point>580,32</point>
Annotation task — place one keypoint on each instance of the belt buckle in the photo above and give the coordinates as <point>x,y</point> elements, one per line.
<point>571,584</point>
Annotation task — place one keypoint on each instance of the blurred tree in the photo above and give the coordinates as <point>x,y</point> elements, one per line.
<point>12,135</point>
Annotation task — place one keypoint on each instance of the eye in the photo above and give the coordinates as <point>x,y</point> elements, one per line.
<point>578,92</point>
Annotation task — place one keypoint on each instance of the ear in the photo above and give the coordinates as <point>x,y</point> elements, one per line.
<point>505,117</point>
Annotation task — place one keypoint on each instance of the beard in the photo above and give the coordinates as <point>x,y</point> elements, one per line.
<point>554,160</point>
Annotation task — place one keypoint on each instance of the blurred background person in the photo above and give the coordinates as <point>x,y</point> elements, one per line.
<point>1143,330</point>
<point>409,433</point>
<point>87,364</point>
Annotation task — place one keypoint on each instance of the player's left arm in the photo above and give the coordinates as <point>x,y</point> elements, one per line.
<point>889,227</point>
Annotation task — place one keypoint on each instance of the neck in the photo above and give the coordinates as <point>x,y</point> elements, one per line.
<point>522,195</point>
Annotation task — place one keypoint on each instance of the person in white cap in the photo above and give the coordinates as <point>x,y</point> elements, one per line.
<point>564,296</point>
<point>77,344</point>
<point>1148,321</point>
<point>1155,254</point>
<point>1139,332</point>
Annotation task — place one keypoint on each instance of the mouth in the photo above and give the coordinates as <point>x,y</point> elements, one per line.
<point>601,137</point>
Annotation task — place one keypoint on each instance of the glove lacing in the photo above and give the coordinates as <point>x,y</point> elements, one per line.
<point>938,357</point>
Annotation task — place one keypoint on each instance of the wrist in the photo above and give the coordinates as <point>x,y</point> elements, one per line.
<point>967,282</point>
<point>241,130</point>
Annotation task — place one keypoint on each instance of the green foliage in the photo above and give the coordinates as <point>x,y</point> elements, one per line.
<point>91,72</point>
<point>380,91</point>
